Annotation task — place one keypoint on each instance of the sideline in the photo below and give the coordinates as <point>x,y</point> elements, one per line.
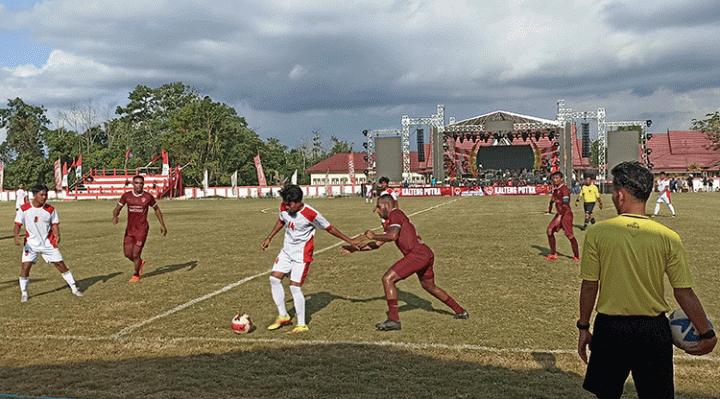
<point>176,309</point>
<point>401,345</point>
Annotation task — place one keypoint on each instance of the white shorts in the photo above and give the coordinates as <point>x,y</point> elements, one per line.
<point>50,254</point>
<point>663,198</point>
<point>295,270</point>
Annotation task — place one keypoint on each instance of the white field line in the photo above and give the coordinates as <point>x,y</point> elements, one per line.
<point>293,342</point>
<point>176,309</point>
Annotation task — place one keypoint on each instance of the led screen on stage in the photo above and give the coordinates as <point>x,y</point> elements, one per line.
<point>506,157</point>
<point>388,158</point>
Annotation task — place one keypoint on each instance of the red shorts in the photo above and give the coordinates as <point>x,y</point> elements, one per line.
<point>565,224</point>
<point>135,237</point>
<point>419,261</point>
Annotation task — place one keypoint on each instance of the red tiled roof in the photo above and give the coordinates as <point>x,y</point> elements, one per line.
<point>676,150</point>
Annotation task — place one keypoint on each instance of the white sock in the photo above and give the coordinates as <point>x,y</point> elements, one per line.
<point>657,208</point>
<point>23,284</point>
<point>672,209</point>
<point>278,295</point>
<point>70,280</point>
<point>299,300</point>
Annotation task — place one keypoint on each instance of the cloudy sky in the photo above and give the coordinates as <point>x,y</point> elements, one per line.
<point>294,66</point>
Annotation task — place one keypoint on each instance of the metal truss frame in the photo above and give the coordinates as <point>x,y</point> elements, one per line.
<point>566,114</point>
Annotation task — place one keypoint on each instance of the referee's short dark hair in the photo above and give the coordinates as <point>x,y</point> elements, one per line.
<point>384,179</point>
<point>635,178</point>
<point>291,193</point>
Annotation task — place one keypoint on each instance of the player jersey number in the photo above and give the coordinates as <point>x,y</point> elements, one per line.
<point>291,225</point>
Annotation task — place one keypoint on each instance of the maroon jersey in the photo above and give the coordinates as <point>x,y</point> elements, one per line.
<point>138,209</point>
<point>561,198</point>
<point>408,238</point>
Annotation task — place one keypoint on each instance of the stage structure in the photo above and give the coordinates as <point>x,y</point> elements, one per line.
<point>433,122</point>
<point>566,115</point>
<point>503,127</point>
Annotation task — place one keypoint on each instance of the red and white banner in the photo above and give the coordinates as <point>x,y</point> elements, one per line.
<point>351,167</point>
<point>473,191</point>
<point>166,165</point>
<point>78,169</point>
<point>543,189</point>
<point>260,173</point>
<point>65,175</point>
<point>58,175</point>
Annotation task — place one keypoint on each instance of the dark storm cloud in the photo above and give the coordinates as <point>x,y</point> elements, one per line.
<point>641,17</point>
<point>680,72</point>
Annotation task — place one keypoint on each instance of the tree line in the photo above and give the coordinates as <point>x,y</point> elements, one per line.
<point>196,131</point>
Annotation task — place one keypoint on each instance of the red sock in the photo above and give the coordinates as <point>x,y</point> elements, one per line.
<point>576,250</point>
<point>551,241</point>
<point>393,310</point>
<point>454,305</point>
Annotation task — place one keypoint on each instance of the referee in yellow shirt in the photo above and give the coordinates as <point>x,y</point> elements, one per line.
<point>624,264</point>
<point>590,194</point>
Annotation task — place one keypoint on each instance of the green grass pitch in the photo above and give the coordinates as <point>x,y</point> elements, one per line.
<point>169,336</point>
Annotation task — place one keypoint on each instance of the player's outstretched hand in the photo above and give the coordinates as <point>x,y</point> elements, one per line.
<point>115,220</point>
<point>265,244</point>
<point>370,234</point>
<point>703,347</point>
<point>347,249</point>
<point>163,230</point>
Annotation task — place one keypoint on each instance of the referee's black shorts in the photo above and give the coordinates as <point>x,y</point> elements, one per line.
<point>638,344</point>
<point>589,206</point>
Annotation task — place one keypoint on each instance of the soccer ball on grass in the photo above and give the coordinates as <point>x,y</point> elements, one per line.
<point>242,324</point>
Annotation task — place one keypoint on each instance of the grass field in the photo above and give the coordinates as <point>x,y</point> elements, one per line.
<point>169,335</point>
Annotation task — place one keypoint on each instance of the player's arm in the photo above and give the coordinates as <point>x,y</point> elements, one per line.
<point>391,235</point>
<point>599,201</point>
<point>588,293</point>
<point>17,233</point>
<point>692,307</point>
<point>279,225</point>
<point>116,213</point>
<point>56,231</point>
<point>337,233</point>
<point>368,246</point>
<point>577,200</point>
<point>159,215</point>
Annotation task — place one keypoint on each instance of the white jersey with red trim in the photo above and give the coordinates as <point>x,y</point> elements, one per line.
<point>664,188</point>
<point>392,192</point>
<point>300,228</point>
<point>38,222</point>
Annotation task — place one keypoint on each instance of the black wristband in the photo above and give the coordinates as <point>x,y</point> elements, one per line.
<point>582,326</point>
<point>709,334</point>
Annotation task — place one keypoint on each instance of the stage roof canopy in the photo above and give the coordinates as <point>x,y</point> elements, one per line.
<point>498,116</point>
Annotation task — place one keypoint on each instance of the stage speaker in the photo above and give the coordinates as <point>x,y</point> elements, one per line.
<point>421,145</point>
<point>622,146</point>
<point>585,140</point>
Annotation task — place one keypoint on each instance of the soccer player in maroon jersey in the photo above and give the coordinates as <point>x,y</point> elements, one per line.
<point>563,219</point>
<point>136,232</point>
<point>417,258</point>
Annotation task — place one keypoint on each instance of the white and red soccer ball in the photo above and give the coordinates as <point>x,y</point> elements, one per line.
<point>683,331</point>
<point>242,324</point>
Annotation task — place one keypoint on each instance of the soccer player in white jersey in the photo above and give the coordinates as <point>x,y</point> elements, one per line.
<point>42,236</point>
<point>21,196</point>
<point>664,196</point>
<point>300,221</point>
<point>385,189</point>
